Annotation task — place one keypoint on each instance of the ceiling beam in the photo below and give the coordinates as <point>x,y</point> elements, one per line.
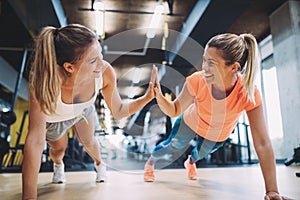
<point>188,27</point>
<point>217,17</point>
<point>35,14</point>
<point>8,78</point>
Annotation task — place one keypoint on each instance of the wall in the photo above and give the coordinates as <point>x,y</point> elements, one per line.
<point>285,30</point>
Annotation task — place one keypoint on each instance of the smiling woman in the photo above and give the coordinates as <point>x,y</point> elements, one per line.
<point>209,107</point>
<point>67,74</point>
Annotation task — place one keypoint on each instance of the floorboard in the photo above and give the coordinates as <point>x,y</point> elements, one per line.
<point>227,183</point>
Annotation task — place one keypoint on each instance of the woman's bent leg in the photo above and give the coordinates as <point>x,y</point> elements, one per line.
<point>58,148</point>
<point>57,152</point>
<point>178,140</point>
<point>85,133</point>
<point>203,148</point>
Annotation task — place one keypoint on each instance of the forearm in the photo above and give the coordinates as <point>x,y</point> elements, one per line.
<point>30,170</point>
<point>130,107</point>
<point>268,166</point>
<point>168,107</point>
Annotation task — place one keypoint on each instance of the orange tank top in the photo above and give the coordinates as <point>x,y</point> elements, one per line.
<point>215,119</point>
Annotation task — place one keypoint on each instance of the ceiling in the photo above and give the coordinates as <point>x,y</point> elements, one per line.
<point>190,23</point>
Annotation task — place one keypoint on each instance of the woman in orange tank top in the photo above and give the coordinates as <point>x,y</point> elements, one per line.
<point>210,104</point>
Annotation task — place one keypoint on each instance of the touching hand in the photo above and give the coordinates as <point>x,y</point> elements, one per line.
<point>153,79</point>
<point>275,196</point>
<point>154,75</point>
<point>156,85</point>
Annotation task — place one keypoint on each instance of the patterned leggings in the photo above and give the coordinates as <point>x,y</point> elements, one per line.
<point>179,141</point>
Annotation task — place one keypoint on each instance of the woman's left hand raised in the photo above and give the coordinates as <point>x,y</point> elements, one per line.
<point>153,82</point>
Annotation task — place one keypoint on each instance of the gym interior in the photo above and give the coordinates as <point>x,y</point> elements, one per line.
<point>184,27</point>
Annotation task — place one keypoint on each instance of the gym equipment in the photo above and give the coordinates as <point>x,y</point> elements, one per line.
<point>4,149</point>
<point>295,158</point>
<point>13,156</point>
<point>7,118</point>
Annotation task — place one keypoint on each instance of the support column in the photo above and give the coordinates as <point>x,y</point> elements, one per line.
<point>285,30</point>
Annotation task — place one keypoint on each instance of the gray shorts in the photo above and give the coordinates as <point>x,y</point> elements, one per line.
<point>56,130</point>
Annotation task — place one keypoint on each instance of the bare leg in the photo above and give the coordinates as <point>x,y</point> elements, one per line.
<point>85,134</point>
<point>58,148</point>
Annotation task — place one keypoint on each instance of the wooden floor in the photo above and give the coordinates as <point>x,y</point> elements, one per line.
<point>230,183</point>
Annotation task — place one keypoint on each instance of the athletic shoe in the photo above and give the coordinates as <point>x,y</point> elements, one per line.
<point>192,170</point>
<point>58,173</point>
<point>149,173</point>
<point>101,172</point>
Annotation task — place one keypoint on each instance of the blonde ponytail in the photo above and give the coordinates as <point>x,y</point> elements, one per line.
<point>252,65</point>
<point>45,78</point>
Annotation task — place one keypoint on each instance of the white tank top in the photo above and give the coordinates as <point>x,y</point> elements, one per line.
<point>65,112</point>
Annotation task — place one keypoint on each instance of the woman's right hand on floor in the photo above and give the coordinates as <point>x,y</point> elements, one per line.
<point>275,196</point>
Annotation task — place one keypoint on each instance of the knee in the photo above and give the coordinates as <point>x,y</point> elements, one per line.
<point>177,144</point>
<point>160,146</point>
<point>88,142</point>
<point>173,145</point>
<point>59,149</point>
<point>199,155</point>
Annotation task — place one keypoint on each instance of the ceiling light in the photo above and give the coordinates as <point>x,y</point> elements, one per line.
<point>99,10</point>
<point>155,21</point>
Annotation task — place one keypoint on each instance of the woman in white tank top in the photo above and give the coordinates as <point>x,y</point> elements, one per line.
<point>66,75</point>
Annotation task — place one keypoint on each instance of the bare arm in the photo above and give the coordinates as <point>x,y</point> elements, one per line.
<point>263,148</point>
<point>176,107</point>
<point>34,145</point>
<point>116,105</point>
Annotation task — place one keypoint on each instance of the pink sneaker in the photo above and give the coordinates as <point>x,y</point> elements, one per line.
<point>149,173</point>
<point>192,170</point>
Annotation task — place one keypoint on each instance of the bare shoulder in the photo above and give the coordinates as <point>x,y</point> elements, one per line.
<point>107,68</point>
<point>108,73</point>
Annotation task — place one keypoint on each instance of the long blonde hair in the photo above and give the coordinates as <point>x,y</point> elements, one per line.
<point>53,48</point>
<point>242,49</point>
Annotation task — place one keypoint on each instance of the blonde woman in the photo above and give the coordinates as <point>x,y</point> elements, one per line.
<point>67,73</point>
<point>210,104</point>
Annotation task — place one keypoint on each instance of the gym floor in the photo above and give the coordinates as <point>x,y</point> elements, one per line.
<point>243,182</point>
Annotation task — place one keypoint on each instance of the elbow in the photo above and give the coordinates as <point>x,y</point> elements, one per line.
<point>118,115</point>
<point>35,140</point>
<point>172,115</point>
<point>37,144</point>
<point>175,113</point>
<point>264,147</point>
<point>32,147</point>
<point>121,112</point>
